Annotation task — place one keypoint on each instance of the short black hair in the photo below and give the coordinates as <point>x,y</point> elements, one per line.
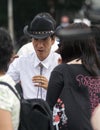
<point>6,49</point>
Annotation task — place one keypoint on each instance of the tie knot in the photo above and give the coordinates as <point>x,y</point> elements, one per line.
<point>40,65</point>
<point>41,68</point>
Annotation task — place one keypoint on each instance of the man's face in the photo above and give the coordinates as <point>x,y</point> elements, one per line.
<point>42,47</point>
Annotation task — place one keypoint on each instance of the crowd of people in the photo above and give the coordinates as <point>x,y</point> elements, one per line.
<point>60,68</point>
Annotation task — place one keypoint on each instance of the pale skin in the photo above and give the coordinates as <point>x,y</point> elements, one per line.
<point>95,119</point>
<point>42,48</point>
<point>5,120</point>
<point>5,116</point>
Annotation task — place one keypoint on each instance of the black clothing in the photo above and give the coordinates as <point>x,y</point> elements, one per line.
<point>76,92</point>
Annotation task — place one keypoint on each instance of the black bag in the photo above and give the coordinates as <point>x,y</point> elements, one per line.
<point>35,114</point>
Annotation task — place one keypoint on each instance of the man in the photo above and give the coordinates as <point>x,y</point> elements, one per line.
<point>27,69</point>
<point>64,22</point>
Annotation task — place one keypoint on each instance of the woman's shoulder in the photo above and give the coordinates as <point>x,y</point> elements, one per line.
<point>8,79</point>
<point>6,96</point>
<point>61,67</point>
<point>66,66</point>
<point>74,68</point>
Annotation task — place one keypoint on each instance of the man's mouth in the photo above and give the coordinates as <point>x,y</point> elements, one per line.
<point>40,50</point>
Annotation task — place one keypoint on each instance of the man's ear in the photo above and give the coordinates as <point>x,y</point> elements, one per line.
<point>53,39</point>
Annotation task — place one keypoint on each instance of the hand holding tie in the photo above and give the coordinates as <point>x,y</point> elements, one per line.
<point>40,81</point>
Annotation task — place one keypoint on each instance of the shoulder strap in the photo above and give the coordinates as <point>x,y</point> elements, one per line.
<point>6,84</point>
<point>19,90</point>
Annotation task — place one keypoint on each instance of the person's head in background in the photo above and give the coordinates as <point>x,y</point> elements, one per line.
<point>6,50</point>
<point>81,47</point>
<point>96,33</point>
<point>42,32</point>
<point>24,39</point>
<point>64,21</point>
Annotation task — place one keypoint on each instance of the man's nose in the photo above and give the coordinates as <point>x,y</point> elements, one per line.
<point>41,43</point>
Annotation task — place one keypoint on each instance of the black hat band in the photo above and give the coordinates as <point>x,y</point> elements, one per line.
<point>43,32</point>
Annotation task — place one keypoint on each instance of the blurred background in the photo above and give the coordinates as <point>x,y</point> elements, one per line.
<point>15,14</point>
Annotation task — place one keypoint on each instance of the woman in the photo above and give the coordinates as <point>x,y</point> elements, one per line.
<point>75,84</point>
<point>9,103</point>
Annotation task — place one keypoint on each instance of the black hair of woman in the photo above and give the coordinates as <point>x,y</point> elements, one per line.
<point>74,47</point>
<point>6,49</point>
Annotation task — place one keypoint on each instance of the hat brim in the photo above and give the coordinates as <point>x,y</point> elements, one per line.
<point>41,36</point>
<point>35,36</point>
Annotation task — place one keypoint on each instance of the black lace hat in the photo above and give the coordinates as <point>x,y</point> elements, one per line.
<point>40,27</point>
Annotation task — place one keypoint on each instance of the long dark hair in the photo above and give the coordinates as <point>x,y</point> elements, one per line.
<point>6,49</point>
<point>80,47</point>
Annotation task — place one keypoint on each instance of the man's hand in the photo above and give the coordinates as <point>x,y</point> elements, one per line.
<point>40,81</point>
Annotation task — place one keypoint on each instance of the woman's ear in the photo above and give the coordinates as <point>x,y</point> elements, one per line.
<point>59,61</point>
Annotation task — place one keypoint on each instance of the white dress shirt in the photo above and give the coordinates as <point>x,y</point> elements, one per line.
<point>26,66</point>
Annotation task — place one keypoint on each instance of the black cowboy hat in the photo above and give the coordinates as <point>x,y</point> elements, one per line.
<point>40,28</point>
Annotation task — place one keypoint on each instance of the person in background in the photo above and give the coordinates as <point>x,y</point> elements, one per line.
<point>26,49</point>
<point>23,40</point>
<point>9,103</point>
<point>33,70</point>
<point>75,86</point>
<point>83,20</point>
<point>64,22</point>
